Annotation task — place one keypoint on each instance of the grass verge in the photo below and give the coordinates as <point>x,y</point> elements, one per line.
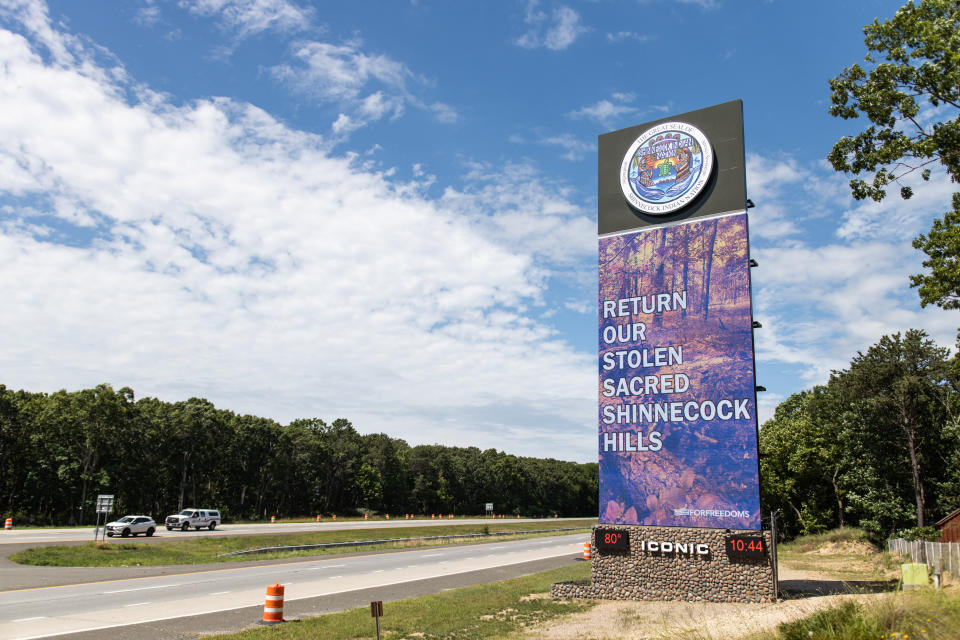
<point>498,610</point>
<point>845,554</point>
<point>206,550</point>
<point>921,614</point>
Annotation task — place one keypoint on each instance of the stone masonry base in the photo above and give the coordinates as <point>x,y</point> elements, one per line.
<point>700,571</point>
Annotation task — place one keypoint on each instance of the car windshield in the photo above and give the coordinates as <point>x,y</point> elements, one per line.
<point>125,519</point>
<point>186,512</point>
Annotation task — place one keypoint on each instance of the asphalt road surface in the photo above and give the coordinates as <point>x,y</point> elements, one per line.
<point>52,536</point>
<point>209,600</point>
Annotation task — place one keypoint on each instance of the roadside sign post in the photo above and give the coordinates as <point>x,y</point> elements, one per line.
<point>104,506</point>
<point>376,610</point>
<point>489,509</point>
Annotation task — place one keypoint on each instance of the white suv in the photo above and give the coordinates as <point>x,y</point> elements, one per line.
<point>196,518</point>
<point>131,525</point>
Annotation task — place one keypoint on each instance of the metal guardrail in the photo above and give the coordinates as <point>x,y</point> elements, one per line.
<point>362,543</point>
<point>942,555</point>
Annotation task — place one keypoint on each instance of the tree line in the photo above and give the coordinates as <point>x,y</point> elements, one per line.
<point>59,450</point>
<point>876,447</point>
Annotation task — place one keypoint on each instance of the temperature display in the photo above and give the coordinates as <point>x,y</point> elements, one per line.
<point>612,540</point>
<point>745,546</point>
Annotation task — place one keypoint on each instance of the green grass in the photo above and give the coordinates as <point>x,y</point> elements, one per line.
<point>815,541</point>
<point>498,610</point>
<point>845,554</point>
<point>207,550</point>
<point>921,614</point>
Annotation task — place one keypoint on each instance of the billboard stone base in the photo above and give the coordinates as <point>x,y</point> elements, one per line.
<point>696,573</point>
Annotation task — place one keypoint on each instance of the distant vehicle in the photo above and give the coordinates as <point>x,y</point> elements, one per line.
<point>196,518</point>
<point>131,525</point>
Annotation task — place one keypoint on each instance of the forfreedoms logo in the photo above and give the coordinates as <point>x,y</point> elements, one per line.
<point>711,513</point>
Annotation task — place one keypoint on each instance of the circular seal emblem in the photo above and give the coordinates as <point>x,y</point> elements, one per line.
<point>666,168</point>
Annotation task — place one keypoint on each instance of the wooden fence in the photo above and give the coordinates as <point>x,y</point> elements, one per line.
<point>942,555</point>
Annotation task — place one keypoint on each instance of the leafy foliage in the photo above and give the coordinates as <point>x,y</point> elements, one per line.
<point>910,93</point>
<point>913,64</point>
<point>920,533</point>
<point>941,285</point>
<point>874,448</point>
<point>59,450</point>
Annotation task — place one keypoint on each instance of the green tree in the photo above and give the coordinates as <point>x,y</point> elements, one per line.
<point>801,453</point>
<point>941,285</point>
<point>895,385</point>
<point>909,91</point>
<point>914,58</point>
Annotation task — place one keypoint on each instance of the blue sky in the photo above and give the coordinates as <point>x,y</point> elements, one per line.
<point>386,211</point>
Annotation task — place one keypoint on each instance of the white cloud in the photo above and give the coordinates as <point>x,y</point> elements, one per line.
<point>767,180</point>
<point>895,217</point>
<point>706,4</point>
<point>249,17</point>
<point>342,74</point>
<point>444,113</point>
<point>620,36</point>
<point>605,112</point>
<point>821,305</point>
<point>766,405</point>
<point>520,208</point>
<point>575,149</point>
<point>149,14</point>
<point>231,257</point>
<point>833,275</point>
<point>555,32</point>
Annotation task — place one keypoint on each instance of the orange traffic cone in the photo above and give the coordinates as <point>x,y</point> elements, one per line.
<point>273,607</point>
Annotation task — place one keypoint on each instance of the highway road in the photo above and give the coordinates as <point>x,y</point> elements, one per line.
<point>53,536</point>
<point>50,611</point>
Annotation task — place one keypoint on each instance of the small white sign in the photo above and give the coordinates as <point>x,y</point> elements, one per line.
<point>105,503</point>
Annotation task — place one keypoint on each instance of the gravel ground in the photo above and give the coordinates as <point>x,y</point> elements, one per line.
<point>803,591</point>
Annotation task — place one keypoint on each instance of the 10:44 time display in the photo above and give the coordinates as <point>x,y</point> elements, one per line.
<point>745,546</point>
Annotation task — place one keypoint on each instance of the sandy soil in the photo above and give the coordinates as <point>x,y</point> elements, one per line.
<point>649,620</point>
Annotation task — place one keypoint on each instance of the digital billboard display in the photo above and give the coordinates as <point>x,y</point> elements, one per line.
<point>677,400</point>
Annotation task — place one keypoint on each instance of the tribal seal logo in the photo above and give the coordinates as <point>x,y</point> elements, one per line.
<point>666,168</point>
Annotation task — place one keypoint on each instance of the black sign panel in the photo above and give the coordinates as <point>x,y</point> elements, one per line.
<point>612,540</point>
<point>745,546</point>
<point>725,192</point>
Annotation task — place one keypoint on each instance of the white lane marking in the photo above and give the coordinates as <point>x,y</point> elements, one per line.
<point>431,555</point>
<point>162,586</point>
<point>219,593</point>
<point>335,566</point>
<point>136,604</point>
<point>334,577</point>
<point>379,571</point>
<point>172,616</point>
<point>29,619</point>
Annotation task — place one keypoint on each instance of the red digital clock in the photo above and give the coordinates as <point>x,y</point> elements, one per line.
<point>745,546</point>
<point>612,540</point>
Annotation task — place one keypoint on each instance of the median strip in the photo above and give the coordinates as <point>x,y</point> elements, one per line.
<point>358,543</point>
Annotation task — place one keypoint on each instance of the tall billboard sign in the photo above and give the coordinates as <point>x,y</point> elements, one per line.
<point>677,391</point>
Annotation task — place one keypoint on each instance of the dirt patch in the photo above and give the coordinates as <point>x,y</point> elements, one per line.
<point>615,620</point>
<point>650,620</point>
<point>847,547</point>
